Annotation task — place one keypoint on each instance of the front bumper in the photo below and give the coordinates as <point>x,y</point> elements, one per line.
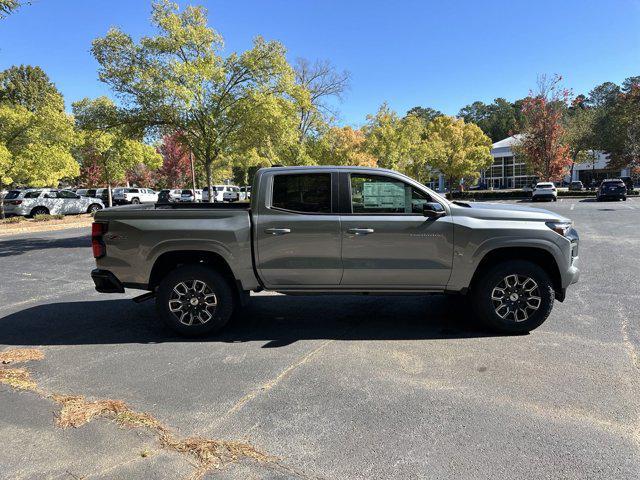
<point>106,282</point>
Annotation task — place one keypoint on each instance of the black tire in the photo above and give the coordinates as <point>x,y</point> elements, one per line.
<point>624,199</point>
<point>39,211</point>
<point>493,278</point>
<point>135,201</point>
<point>94,207</point>
<point>215,283</point>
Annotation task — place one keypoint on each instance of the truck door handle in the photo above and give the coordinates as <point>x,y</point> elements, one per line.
<point>278,231</point>
<point>361,231</point>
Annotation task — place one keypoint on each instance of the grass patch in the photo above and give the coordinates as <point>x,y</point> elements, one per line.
<point>46,217</point>
<point>10,220</point>
<point>17,378</point>
<point>19,355</point>
<point>76,410</point>
<point>214,454</point>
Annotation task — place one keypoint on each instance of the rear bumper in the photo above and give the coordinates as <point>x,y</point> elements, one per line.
<point>106,282</point>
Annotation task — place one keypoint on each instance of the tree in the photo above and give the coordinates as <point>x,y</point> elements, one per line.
<point>29,87</point>
<point>542,144</point>
<point>345,146</point>
<point>106,146</point>
<point>7,7</point>
<point>179,81</point>
<point>456,149</point>
<point>320,82</point>
<point>395,142</point>
<point>35,147</point>
<point>498,120</point>
<point>176,165</point>
<point>579,131</point>
<point>426,114</point>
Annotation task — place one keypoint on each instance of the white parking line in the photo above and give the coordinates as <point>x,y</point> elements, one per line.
<point>573,205</point>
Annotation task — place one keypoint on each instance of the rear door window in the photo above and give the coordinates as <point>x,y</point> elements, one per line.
<point>308,193</point>
<point>33,194</point>
<point>12,194</point>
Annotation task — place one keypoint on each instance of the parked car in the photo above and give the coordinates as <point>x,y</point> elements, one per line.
<point>544,191</point>
<point>123,196</point>
<point>188,195</point>
<point>385,233</point>
<point>168,195</point>
<point>231,194</point>
<point>628,182</point>
<point>576,186</point>
<point>101,193</point>
<point>218,196</point>
<point>613,189</point>
<point>245,193</point>
<point>45,200</point>
<point>82,192</point>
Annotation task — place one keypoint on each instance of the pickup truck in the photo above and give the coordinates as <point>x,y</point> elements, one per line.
<point>336,230</point>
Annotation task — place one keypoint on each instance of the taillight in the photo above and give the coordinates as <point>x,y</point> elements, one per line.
<point>98,229</point>
<point>16,202</point>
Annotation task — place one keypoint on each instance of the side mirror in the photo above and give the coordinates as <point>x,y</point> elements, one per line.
<point>433,210</point>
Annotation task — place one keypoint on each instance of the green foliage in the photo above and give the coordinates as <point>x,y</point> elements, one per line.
<point>178,80</point>
<point>35,147</point>
<point>29,87</point>
<point>396,142</point>
<point>425,113</point>
<point>45,217</point>
<point>456,149</point>
<point>7,7</point>
<point>11,220</point>
<point>109,146</point>
<point>497,120</point>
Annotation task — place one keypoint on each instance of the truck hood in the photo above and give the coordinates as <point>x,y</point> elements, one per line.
<point>501,211</point>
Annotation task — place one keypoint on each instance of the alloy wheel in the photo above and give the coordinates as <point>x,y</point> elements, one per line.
<point>193,302</point>
<point>516,298</point>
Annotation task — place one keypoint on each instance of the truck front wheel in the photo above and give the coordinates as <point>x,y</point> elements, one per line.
<point>195,300</point>
<point>513,297</point>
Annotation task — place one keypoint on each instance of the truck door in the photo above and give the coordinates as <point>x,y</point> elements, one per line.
<point>298,231</point>
<point>386,239</point>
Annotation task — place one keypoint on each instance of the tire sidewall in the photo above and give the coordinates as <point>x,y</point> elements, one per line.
<point>214,280</point>
<point>484,305</point>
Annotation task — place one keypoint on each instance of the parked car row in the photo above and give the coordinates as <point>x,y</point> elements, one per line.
<point>41,201</point>
<point>609,189</point>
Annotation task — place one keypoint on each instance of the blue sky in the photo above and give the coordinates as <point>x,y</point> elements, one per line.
<point>438,54</point>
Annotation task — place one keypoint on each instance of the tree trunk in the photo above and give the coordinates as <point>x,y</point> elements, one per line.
<point>1,199</point>
<point>207,168</point>
<point>109,198</point>
<point>193,172</point>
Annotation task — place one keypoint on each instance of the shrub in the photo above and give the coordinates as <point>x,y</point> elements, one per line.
<point>46,217</point>
<point>12,220</point>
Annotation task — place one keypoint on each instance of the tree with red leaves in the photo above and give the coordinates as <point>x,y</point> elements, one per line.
<point>541,144</point>
<point>90,174</point>
<point>176,164</point>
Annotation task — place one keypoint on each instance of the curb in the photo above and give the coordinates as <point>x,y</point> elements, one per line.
<point>45,228</point>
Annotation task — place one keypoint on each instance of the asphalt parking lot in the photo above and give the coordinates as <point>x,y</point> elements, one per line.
<point>334,387</point>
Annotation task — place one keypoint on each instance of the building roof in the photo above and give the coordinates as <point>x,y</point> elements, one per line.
<point>508,142</point>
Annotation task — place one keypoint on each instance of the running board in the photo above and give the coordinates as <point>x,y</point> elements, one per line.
<point>144,297</point>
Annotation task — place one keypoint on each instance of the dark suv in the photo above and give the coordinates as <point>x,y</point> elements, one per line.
<point>613,189</point>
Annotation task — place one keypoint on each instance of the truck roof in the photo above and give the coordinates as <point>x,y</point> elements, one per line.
<point>330,168</point>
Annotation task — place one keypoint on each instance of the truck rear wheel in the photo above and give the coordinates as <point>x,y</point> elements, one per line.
<point>513,297</point>
<point>195,300</point>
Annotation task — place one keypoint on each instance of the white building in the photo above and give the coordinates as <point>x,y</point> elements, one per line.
<point>509,172</point>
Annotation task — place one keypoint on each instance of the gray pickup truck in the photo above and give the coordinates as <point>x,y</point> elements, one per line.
<point>336,230</point>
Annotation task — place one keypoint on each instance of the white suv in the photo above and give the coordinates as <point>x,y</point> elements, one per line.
<point>544,190</point>
<point>220,192</point>
<point>41,201</point>
<point>123,196</point>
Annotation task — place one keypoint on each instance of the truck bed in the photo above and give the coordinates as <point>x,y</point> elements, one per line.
<point>139,235</point>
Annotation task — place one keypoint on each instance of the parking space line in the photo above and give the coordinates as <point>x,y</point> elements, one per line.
<point>573,205</point>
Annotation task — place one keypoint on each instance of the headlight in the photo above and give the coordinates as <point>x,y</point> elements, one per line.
<point>561,228</point>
